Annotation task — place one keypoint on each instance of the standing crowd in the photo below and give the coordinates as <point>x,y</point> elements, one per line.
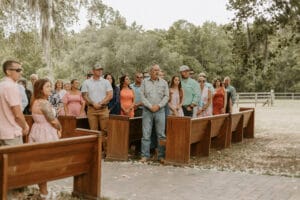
<point>149,97</point>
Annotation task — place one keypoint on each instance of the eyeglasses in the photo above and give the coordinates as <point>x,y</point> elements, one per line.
<point>201,81</point>
<point>17,70</point>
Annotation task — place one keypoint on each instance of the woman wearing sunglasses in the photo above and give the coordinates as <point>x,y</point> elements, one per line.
<point>204,108</point>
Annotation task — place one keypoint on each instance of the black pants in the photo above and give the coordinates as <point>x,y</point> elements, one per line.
<point>186,112</point>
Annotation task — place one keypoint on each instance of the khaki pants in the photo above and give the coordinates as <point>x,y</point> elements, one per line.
<point>15,141</point>
<point>98,119</point>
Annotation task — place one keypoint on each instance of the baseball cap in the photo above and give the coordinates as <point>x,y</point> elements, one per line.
<point>184,68</point>
<point>202,74</point>
<point>97,66</point>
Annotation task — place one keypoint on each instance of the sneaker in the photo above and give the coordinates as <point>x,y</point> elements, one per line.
<point>143,159</point>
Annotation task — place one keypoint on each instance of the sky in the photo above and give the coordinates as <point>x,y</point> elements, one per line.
<point>163,13</point>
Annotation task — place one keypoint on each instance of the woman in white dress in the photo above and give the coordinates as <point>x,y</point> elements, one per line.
<point>176,97</point>
<point>204,107</point>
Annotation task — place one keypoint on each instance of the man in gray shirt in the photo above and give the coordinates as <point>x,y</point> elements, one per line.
<point>97,92</point>
<point>154,95</point>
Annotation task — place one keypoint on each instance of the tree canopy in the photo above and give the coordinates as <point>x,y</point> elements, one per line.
<point>259,49</point>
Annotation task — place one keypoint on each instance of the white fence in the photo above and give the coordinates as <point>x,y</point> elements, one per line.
<point>266,98</point>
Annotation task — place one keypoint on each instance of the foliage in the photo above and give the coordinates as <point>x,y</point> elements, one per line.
<point>259,50</point>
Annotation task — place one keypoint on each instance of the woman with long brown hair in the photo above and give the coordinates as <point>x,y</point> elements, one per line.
<point>126,97</point>
<point>176,97</point>
<point>46,126</point>
<point>219,97</point>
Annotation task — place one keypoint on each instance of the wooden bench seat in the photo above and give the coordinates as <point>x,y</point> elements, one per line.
<point>28,164</point>
<point>122,131</point>
<point>193,136</point>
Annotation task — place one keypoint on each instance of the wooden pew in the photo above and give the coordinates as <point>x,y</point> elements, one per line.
<point>28,164</point>
<point>235,130</point>
<point>122,131</point>
<point>248,124</point>
<point>193,136</point>
<point>219,130</point>
<point>68,123</point>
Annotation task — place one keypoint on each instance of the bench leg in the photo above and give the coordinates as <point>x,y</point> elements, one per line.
<point>3,176</point>
<point>220,142</point>
<point>237,136</point>
<point>249,130</point>
<point>117,140</point>
<point>88,186</point>
<point>178,141</point>
<point>202,148</point>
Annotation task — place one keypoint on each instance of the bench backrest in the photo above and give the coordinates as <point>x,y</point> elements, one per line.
<point>28,164</point>
<point>70,123</point>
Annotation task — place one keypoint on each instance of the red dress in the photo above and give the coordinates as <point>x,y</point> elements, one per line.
<point>218,100</point>
<point>126,100</point>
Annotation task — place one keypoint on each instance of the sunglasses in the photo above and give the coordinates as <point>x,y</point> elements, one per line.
<point>17,70</point>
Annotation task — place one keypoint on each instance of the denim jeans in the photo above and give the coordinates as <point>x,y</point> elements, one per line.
<point>158,118</point>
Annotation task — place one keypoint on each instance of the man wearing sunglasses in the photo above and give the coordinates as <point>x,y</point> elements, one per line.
<point>13,124</point>
<point>136,86</point>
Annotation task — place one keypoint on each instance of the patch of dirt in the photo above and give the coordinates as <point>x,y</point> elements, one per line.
<point>262,155</point>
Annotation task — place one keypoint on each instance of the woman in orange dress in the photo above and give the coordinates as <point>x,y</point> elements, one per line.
<point>219,98</point>
<point>126,97</point>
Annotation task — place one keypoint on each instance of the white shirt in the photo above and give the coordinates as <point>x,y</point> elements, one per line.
<point>96,89</point>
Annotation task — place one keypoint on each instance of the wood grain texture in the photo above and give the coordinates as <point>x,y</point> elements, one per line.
<point>249,120</point>
<point>122,131</point>
<point>29,164</point>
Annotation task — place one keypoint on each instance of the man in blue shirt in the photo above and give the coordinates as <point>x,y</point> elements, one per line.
<point>136,86</point>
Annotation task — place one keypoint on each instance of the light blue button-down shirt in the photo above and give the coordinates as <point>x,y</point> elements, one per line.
<point>96,89</point>
<point>154,92</point>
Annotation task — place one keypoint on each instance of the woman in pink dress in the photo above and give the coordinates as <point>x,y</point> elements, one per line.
<point>205,105</point>
<point>219,98</point>
<point>46,127</point>
<point>73,101</point>
<point>126,97</point>
<point>176,97</point>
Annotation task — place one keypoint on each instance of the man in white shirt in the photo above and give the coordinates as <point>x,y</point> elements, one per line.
<point>97,92</point>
